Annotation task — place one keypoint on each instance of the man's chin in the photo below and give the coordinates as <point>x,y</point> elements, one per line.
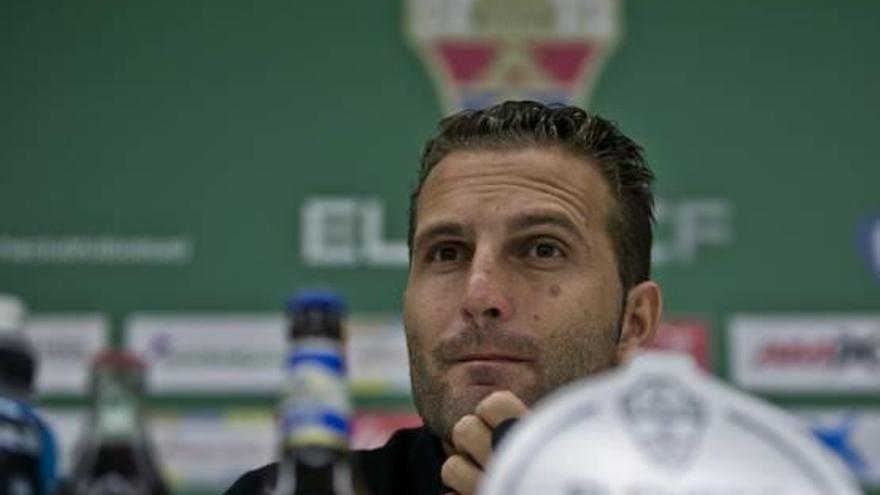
<point>461,401</point>
<point>471,394</point>
<point>462,398</point>
<point>456,393</point>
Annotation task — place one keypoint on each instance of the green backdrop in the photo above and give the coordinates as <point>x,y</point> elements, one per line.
<point>214,121</point>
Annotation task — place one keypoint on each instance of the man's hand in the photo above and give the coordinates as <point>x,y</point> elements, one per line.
<point>472,439</point>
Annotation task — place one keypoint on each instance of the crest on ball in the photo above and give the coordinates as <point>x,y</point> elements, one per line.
<point>665,419</point>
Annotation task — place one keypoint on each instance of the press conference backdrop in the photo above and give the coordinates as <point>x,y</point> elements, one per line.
<point>171,171</point>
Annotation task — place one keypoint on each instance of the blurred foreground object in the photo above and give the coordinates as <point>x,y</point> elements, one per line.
<point>18,363</point>
<point>114,454</point>
<point>315,410</point>
<point>661,427</point>
<point>27,446</point>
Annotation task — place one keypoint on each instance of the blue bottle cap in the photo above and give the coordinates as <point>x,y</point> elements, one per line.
<point>315,299</point>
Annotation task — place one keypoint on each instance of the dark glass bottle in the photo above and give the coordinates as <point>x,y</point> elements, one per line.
<point>315,407</point>
<point>114,455</point>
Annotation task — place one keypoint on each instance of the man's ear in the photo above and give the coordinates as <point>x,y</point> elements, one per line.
<point>640,318</point>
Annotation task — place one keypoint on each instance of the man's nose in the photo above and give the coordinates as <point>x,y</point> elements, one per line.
<point>486,295</point>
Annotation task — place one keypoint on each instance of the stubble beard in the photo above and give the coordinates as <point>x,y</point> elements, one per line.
<point>560,360</point>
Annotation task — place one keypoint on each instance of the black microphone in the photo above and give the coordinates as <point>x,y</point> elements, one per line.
<point>500,431</point>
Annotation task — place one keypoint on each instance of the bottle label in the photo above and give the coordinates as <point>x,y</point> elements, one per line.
<point>116,415</point>
<point>19,432</point>
<point>22,451</point>
<point>315,410</point>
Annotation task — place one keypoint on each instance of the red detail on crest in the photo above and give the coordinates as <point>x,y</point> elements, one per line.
<point>466,59</point>
<point>563,61</point>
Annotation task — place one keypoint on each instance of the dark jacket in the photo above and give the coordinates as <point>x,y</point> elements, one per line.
<point>409,464</point>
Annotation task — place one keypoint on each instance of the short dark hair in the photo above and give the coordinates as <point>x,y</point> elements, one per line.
<point>526,124</point>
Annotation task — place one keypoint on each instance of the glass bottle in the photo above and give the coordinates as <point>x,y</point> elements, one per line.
<point>114,454</point>
<point>315,408</point>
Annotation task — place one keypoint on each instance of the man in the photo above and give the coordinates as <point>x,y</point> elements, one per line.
<point>530,235</point>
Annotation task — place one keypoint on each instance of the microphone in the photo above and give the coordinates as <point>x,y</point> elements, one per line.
<point>500,431</point>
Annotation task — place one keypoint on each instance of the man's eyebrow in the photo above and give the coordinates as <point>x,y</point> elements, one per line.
<point>536,219</point>
<point>452,229</point>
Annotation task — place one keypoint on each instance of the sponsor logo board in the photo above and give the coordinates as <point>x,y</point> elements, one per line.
<point>209,353</point>
<point>213,448</point>
<point>377,357</point>
<point>688,336</point>
<point>65,345</point>
<point>802,353</point>
<point>242,353</point>
<point>205,449</point>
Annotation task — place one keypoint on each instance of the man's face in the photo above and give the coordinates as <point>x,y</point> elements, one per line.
<point>513,281</point>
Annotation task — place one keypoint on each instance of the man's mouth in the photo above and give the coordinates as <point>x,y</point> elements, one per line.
<point>488,346</point>
<point>491,370</point>
<point>490,358</point>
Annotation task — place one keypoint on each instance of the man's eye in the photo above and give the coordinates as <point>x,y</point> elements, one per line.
<point>444,253</point>
<point>545,249</point>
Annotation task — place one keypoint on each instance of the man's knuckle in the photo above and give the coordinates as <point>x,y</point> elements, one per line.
<point>499,399</point>
<point>503,394</point>
<point>471,422</point>
<point>446,469</point>
<point>494,401</point>
<point>454,467</point>
<point>462,426</point>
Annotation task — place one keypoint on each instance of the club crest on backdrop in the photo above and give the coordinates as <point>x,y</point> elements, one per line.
<point>479,52</point>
